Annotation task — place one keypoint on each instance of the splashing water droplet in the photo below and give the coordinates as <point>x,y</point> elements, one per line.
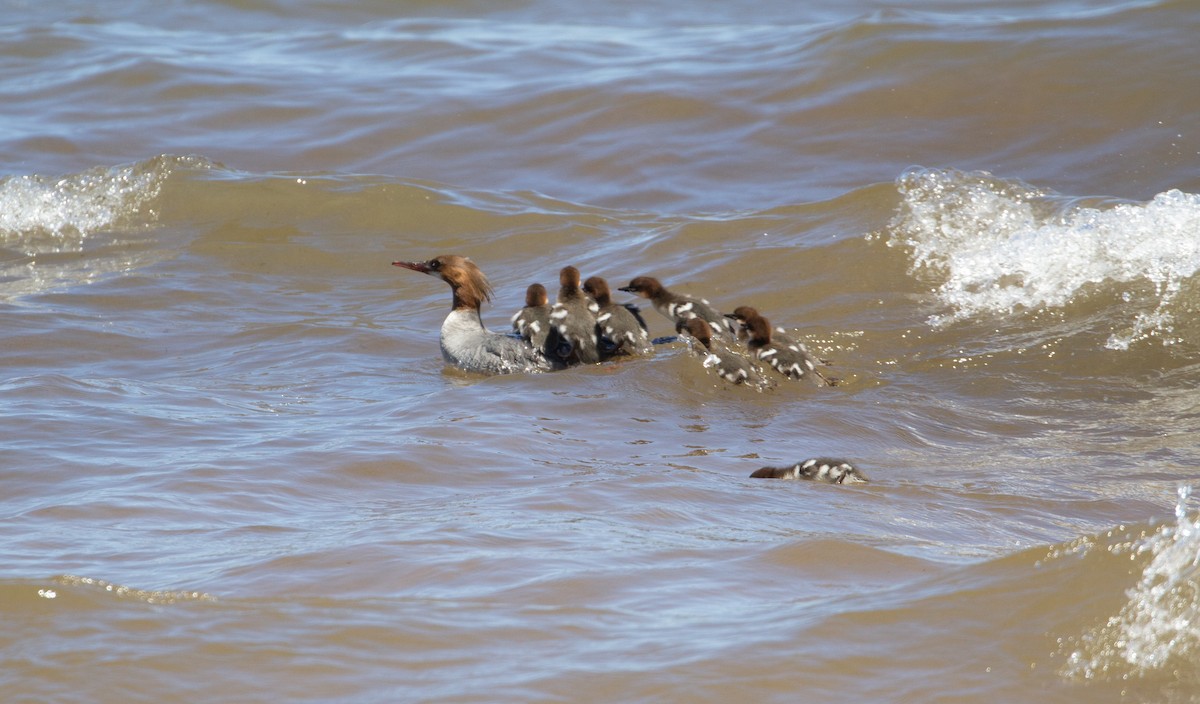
<point>1157,631</point>
<point>995,247</point>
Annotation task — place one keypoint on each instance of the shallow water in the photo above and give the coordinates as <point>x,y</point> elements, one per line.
<point>236,467</point>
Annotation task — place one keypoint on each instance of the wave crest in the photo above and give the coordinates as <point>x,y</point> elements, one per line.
<point>57,213</point>
<point>47,222</point>
<point>1157,631</point>
<point>999,247</point>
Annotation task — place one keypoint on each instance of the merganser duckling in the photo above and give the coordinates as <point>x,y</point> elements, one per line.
<point>730,365</point>
<point>622,329</point>
<point>820,469</point>
<point>791,359</point>
<point>574,319</point>
<point>743,313</point>
<point>465,342</point>
<point>532,322</point>
<point>678,308</point>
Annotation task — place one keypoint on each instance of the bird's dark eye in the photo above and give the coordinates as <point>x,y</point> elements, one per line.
<point>434,264</point>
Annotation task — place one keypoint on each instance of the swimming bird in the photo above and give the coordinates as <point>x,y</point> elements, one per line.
<point>820,469</point>
<point>574,320</point>
<point>743,313</point>
<point>677,307</point>
<point>791,358</point>
<point>466,343</point>
<point>622,330</point>
<point>532,322</point>
<point>731,366</point>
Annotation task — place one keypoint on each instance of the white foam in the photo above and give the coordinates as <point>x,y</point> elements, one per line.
<point>50,214</point>
<point>103,213</point>
<point>999,247</point>
<point>1157,630</point>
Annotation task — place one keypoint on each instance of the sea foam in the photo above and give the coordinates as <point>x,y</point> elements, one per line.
<point>106,214</point>
<point>1157,630</point>
<point>56,214</point>
<point>997,247</point>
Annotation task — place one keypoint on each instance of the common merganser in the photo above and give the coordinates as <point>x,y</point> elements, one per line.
<point>791,359</point>
<point>532,322</point>
<point>730,365</point>
<point>678,308</point>
<point>743,313</point>
<point>820,469</point>
<point>465,342</point>
<point>622,329</point>
<point>574,318</point>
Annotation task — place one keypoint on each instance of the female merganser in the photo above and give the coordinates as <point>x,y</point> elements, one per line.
<point>574,318</point>
<point>532,322</point>
<point>790,359</point>
<point>678,308</point>
<point>820,469</point>
<point>622,329</point>
<point>730,365</point>
<point>465,342</point>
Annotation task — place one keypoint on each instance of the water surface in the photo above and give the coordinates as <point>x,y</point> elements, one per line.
<point>235,466</point>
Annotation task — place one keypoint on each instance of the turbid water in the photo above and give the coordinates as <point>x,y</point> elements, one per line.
<point>236,468</point>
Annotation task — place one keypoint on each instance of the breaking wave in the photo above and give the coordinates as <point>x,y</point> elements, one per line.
<point>41,213</point>
<point>47,222</point>
<point>1156,633</point>
<point>997,247</point>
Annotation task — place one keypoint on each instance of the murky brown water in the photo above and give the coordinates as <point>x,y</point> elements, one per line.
<point>235,468</point>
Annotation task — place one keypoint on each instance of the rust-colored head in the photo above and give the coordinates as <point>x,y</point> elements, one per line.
<point>597,288</point>
<point>742,313</point>
<point>568,276</point>
<point>469,285</point>
<point>535,295</point>
<point>699,329</point>
<point>644,286</point>
<point>759,330</point>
